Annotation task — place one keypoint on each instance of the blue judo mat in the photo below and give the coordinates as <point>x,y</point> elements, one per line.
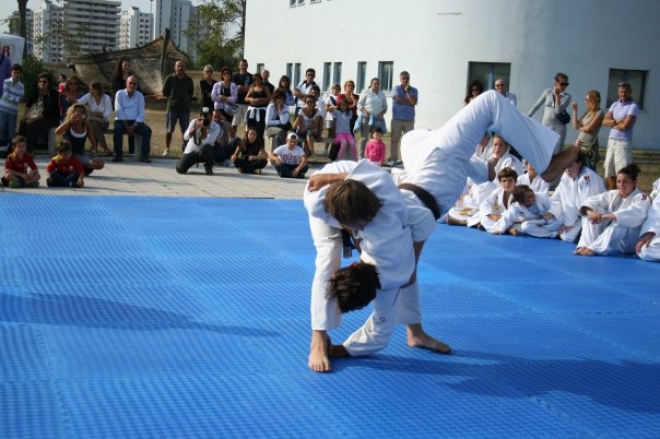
<point>143,317</point>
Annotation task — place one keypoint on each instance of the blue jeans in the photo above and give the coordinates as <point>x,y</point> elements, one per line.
<point>7,127</point>
<point>142,129</point>
<point>60,179</point>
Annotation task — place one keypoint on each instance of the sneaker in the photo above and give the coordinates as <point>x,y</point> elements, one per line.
<point>14,184</point>
<point>390,164</point>
<point>209,171</point>
<point>228,163</point>
<point>49,182</point>
<point>145,159</point>
<point>166,152</point>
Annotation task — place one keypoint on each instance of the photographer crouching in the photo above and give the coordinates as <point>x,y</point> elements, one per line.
<point>200,137</point>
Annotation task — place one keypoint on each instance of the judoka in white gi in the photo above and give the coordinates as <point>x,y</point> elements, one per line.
<point>532,179</point>
<point>648,245</point>
<point>578,183</point>
<point>498,202</point>
<point>439,162</point>
<point>529,214</point>
<point>611,221</point>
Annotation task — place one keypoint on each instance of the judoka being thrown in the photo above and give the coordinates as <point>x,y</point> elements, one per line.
<point>392,223</point>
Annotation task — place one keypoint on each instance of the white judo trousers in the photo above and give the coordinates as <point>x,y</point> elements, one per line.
<point>387,244</point>
<point>651,252</point>
<point>441,160</point>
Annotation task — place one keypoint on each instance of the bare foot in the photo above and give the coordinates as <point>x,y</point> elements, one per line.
<point>417,338</point>
<point>584,251</point>
<point>319,361</point>
<point>559,163</point>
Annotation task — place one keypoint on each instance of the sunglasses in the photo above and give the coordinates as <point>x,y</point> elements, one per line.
<point>564,84</point>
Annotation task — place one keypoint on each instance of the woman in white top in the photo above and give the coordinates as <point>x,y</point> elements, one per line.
<point>589,126</point>
<point>99,109</point>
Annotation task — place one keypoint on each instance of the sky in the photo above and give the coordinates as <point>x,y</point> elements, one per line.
<point>144,5</point>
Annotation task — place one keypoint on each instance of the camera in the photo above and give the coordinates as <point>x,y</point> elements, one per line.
<point>206,122</point>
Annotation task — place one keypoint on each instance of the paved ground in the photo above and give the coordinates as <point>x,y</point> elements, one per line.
<point>159,178</point>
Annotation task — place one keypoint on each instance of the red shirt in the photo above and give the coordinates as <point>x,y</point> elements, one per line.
<point>17,164</point>
<point>65,167</point>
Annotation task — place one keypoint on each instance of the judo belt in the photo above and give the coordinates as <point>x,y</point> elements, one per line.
<point>423,195</point>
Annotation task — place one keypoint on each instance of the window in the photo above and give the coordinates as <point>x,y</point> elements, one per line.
<point>637,80</point>
<point>260,67</point>
<point>326,76</point>
<point>301,2</point>
<point>385,74</point>
<point>336,75</point>
<point>289,70</point>
<point>361,76</point>
<point>296,74</point>
<point>292,3</point>
<point>487,73</point>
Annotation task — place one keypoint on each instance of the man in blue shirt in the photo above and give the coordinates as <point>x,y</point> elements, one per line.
<point>404,99</point>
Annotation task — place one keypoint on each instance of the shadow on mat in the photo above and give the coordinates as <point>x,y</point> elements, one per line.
<point>67,310</point>
<point>623,384</point>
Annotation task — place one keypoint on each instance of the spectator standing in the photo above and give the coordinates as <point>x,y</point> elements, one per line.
<point>303,88</point>
<point>179,89</point>
<point>265,76</point>
<point>285,87</point>
<point>243,80</point>
<point>5,69</point>
<point>589,125</point>
<point>621,118</point>
<point>257,99</point>
<point>555,101</point>
<point>206,86</point>
<point>501,88</point>
<point>129,119</point>
<point>475,88</point>
<point>225,94</point>
<point>372,106</point>
<point>13,92</point>
<point>351,99</point>
<point>404,100</point>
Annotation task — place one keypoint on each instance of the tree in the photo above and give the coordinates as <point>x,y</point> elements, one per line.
<point>217,30</point>
<point>22,9</point>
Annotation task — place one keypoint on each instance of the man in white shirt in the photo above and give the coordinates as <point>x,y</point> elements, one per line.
<point>372,106</point>
<point>200,137</point>
<point>129,119</point>
<point>500,87</point>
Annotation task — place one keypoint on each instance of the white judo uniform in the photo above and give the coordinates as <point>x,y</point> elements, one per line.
<point>387,242</point>
<point>651,252</point>
<point>440,161</point>
<point>493,204</point>
<point>529,220</point>
<point>614,236</point>
<point>570,195</point>
<point>537,184</point>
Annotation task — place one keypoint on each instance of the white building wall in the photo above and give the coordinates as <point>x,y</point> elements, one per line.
<point>435,40</point>
<point>135,28</point>
<point>173,15</point>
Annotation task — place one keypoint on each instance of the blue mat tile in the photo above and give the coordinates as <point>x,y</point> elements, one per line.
<point>189,318</point>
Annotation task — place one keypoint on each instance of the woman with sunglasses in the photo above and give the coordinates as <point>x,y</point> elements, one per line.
<point>70,96</point>
<point>555,101</point>
<point>43,111</point>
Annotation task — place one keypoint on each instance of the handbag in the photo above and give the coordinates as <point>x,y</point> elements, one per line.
<point>564,117</point>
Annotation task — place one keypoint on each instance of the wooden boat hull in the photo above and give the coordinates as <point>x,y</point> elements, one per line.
<point>151,63</point>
